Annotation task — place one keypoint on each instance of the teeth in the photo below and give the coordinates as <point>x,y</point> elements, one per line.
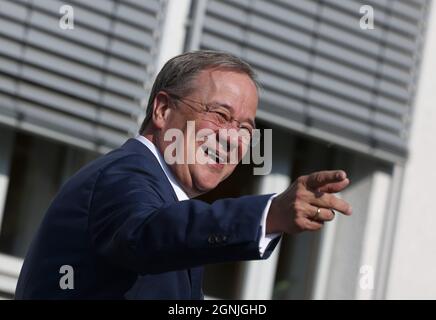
<point>211,153</point>
<point>221,159</point>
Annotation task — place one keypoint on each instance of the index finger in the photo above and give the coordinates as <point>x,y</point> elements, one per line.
<point>332,202</point>
<point>317,180</point>
<point>334,187</point>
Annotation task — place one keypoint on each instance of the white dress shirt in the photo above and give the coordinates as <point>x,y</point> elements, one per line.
<point>265,239</point>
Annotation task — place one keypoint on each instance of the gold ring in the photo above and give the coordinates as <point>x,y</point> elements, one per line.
<point>318,211</point>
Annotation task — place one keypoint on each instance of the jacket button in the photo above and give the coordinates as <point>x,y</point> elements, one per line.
<point>219,238</point>
<point>211,239</point>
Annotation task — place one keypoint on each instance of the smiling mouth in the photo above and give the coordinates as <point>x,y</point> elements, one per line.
<point>213,154</point>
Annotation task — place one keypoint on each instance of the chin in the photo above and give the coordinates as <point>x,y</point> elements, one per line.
<point>207,179</point>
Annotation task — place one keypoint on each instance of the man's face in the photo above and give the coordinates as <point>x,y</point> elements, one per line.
<point>234,91</point>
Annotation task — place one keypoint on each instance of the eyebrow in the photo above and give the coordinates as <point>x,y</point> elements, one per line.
<point>225,105</point>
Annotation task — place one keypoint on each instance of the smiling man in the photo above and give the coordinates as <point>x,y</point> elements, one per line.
<point>222,93</point>
<point>127,225</point>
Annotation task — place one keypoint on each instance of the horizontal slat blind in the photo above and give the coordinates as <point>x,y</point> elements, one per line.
<point>83,85</point>
<point>322,75</point>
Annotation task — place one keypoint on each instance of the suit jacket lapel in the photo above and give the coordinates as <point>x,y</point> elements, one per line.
<point>136,146</point>
<point>195,274</point>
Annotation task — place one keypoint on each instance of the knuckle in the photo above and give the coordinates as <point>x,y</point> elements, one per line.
<point>301,224</point>
<point>301,180</point>
<point>299,193</point>
<point>330,189</point>
<point>330,201</point>
<point>297,207</point>
<point>308,225</point>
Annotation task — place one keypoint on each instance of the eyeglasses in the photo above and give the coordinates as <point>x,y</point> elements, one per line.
<point>217,114</point>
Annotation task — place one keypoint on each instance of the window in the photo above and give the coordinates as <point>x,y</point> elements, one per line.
<point>37,169</point>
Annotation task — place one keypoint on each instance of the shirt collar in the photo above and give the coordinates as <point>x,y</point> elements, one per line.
<point>180,193</point>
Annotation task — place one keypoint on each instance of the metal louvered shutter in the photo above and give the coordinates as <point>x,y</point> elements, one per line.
<point>322,75</point>
<point>82,86</point>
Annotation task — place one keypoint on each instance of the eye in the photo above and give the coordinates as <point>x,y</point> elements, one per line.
<point>221,113</point>
<point>246,129</point>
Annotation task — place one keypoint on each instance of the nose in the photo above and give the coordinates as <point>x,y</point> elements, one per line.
<point>228,139</point>
<point>235,124</point>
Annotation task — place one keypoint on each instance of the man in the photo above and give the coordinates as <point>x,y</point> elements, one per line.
<point>127,226</point>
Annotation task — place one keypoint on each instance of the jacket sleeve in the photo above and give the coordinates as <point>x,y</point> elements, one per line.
<point>130,225</point>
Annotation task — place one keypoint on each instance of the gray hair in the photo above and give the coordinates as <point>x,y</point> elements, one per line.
<point>177,75</point>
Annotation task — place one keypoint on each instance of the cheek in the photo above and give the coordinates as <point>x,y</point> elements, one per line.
<point>229,169</point>
<point>203,129</point>
<point>177,120</point>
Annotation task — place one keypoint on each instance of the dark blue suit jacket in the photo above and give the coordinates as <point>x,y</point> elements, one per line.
<point>117,222</point>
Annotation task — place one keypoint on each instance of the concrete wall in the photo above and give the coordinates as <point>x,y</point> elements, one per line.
<point>412,267</point>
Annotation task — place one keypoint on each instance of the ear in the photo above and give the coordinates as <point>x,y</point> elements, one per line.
<point>161,109</point>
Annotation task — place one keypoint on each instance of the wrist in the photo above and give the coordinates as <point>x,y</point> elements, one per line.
<point>272,220</point>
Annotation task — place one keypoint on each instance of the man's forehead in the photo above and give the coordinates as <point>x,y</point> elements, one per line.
<point>230,81</point>
<point>231,89</point>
